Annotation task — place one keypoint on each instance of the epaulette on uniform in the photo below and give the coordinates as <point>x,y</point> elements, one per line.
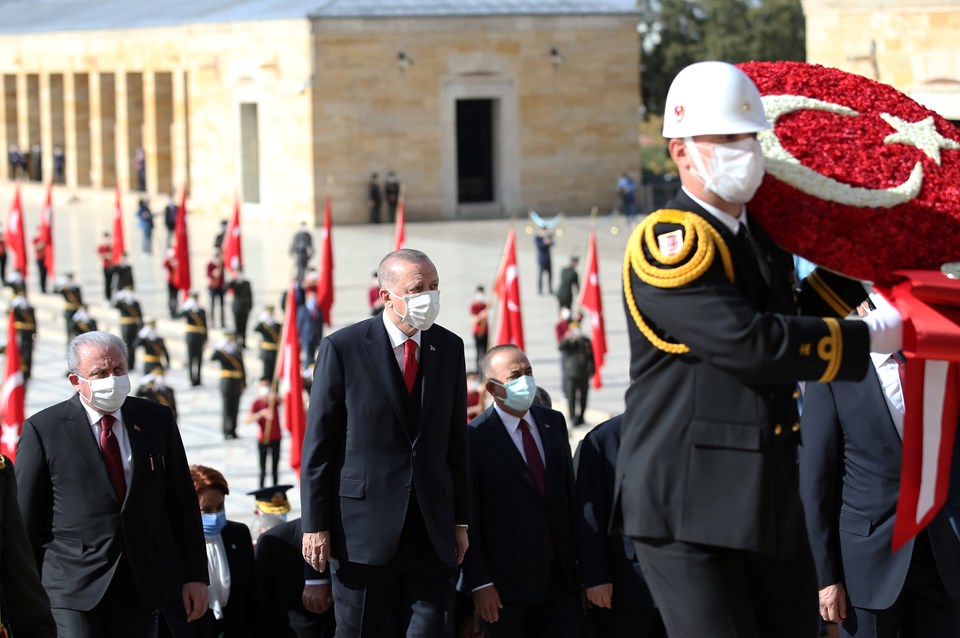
<point>4,463</point>
<point>689,258</point>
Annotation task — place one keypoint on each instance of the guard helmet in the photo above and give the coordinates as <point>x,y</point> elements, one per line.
<point>712,98</point>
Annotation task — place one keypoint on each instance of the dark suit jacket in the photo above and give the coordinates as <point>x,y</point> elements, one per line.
<point>510,538</point>
<point>359,463</point>
<point>76,523</point>
<point>604,557</point>
<point>24,606</point>
<point>708,446</point>
<point>243,614</point>
<point>281,572</point>
<point>849,481</point>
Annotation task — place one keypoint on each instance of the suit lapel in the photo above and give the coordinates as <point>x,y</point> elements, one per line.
<point>430,379</point>
<point>552,450</point>
<point>384,364</point>
<point>508,450</point>
<point>876,398</point>
<point>135,438</point>
<point>82,439</point>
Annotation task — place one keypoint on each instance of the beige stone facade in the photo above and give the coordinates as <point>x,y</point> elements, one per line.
<point>283,112</point>
<point>909,44</point>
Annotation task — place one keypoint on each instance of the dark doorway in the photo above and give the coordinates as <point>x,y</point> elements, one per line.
<point>475,151</point>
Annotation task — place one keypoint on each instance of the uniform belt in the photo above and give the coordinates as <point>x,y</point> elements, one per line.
<point>126,321</point>
<point>231,374</point>
<point>152,358</point>
<point>19,325</point>
<point>197,329</point>
<point>70,306</point>
<point>268,346</point>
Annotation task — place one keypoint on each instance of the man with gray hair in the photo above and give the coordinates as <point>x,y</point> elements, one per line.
<point>385,484</point>
<point>100,475</point>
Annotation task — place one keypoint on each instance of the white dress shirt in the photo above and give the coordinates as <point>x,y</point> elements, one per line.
<point>728,220</point>
<point>119,431</point>
<point>889,372</point>
<point>397,339</point>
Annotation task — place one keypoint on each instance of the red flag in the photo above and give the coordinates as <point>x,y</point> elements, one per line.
<point>591,300</point>
<point>45,232</point>
<point>400,239</point>
<point>11,397</point>
<point>181,249</point>
<point>15,239</point>
<point>291,383</point>
<point>118,248</point>
<point>325,283</point>
<point>232,247</point>
<point>507,287</point>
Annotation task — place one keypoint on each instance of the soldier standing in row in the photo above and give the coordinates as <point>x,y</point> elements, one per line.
<point>170,266</point>
<point>242,302</point>
<point>269,329</point>
<point>154,349</point>
<point>105,252</point>
<point>217,286</point>
<point>154,387</point>
<point>123,274</point>
<point>131,321</point>
<point>82,322</point>
<point>196,335</point>
<point>25,323</point>
<point>232,380</point>
<point>72,299</point>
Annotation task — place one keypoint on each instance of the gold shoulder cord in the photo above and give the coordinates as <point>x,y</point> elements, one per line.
<point>695,230</point>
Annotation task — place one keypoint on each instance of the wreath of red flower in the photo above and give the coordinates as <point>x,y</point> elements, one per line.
<point>851,146</point>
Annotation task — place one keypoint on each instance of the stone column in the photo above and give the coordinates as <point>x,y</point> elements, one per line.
<point>124,156</point>
<point>96,131</point>
<point>46,128</point>
<point>70,152</point>
<point>23,116</point>
<point>149,134</point>
<point>180,152</point>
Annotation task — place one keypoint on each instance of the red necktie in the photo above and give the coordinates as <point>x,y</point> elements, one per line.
<point>111,456</point>
<point>902,369</point>
<point>534,462</point>
<point>409,363</point>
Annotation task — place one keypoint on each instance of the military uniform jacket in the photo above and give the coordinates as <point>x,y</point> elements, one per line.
<point>242,295</point>
<point>231,366</point>
<point>270,333</point>
<point>25,320</point>
<point>130,314</point>
<point>163,396</point>
<point>71,297</point>
<point>196,322</point>
<point>154,350</point>
<point>710,433</point>
<point>123,274</point>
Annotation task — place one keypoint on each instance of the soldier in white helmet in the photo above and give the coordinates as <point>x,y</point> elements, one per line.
<point>707,471</point>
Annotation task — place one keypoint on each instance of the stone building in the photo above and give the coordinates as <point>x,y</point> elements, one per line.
<point>482,107</point>
<point>909,44</point>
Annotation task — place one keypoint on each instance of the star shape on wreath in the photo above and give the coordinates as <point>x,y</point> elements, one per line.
<point>10,436</point>
<point>923,135</point>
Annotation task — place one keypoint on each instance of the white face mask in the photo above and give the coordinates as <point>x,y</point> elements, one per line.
<point>423,308</point>
<point>263,391</point>
<point>735,171</point>
<point>107,394</point>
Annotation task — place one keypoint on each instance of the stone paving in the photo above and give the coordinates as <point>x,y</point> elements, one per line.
<point>466,254</point>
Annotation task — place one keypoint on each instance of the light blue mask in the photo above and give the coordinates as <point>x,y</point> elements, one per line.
<point>213,524</point>
<point>520,392</point>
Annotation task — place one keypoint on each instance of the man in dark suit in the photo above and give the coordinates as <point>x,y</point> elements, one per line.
<point>100,474</point>
<point>706,475</point>
<point>385,489</point>
<point>612,577</point>
<point>309,322</point>
<point>849,482</point>
<point>522,563</point>
<point>242,302</point>
<point>24,605</point>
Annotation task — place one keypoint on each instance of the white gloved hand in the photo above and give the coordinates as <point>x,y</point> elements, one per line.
<point>885,325</point>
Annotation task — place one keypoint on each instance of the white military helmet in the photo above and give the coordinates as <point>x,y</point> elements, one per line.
<point>712,98</point>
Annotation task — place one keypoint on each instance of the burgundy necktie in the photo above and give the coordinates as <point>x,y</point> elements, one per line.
<point>534,462</point>
<point>111,456</point>
<point>409,363</point>
<point>902,369</point>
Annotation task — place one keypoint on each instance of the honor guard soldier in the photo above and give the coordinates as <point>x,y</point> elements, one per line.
<point>272,500</point>
<point>269,330</point>
<point>232,380</point>
<point>196,335</point>
<point>154,349</point>
<point>131,321</point>
<point>24,604</point>
<point>82,322</point>
<point>707,482</point>
<point>123,274</point>
<point>242,302</point>
<point>14,281</point>
<point>25,323</point>
<point>154,387</point>
<point>72,298</point>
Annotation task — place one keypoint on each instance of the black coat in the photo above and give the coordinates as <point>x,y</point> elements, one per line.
<point>75,522</point>
<point>510,538</point>
<point>709,441</point>
<point>849,481</point>
<point>243,614</point>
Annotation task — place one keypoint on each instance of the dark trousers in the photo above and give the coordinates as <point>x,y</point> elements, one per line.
<point>216,295</point>
<point>128,332</point>
<point>195,356</point>
<point>923,609</point>
<point>375,213</point>
<point>172,299</point>
<point>269,359</point>
<point>559,616</point>
<point>480,342</point>
<point>117,615</point>
<point>25,344</point>
<point>230,389</point>
<point>577,390</point>
<point>240,318</point>
<point>411,595</point>
<point>723,593</point>
<point>545,272</point>
<point>42,269</point>
<point>626,619</point>
<point>108,282</point>
<point>310,352</point>
<point>273,447</point>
